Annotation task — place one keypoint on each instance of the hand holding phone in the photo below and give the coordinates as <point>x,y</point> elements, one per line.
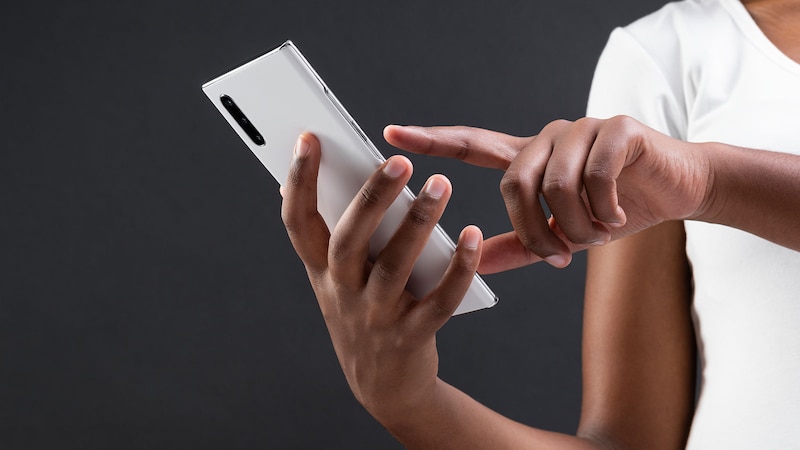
<point>276,97</point>
<point>384,337</point>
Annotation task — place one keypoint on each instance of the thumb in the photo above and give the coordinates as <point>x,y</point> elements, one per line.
<point>506,252</point>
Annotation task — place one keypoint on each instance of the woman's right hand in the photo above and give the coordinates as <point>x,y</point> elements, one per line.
<point>384,337</point>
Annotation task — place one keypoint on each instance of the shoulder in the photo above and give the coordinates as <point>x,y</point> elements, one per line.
<point>652,68</point>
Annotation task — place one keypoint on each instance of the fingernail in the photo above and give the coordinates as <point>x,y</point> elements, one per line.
<point>435,187</point>
<point>557,260</point>
<point>471,238</point>
<point>301,147</point>
<point>394,167</point>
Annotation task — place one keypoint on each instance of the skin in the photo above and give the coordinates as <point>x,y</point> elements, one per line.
<point>638,289</point>
<point>614,186</point>
<point>638,341</point>
<point>384,338</point>
<point>778,20</point>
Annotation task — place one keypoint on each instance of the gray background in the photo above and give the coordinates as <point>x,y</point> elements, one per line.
<point>149,295</point>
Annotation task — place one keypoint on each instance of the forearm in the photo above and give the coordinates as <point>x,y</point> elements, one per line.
<point>448,418</point>
<point>755,191</point>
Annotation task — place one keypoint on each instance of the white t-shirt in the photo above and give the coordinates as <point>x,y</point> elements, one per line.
<point>702,70</point>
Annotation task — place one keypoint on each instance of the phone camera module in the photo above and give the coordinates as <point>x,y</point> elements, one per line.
<point>237,114</point>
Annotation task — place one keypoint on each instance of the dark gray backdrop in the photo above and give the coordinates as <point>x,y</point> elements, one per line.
<point>149,295</point>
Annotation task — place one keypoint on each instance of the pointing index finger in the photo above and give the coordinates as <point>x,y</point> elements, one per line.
<point>475,146</point>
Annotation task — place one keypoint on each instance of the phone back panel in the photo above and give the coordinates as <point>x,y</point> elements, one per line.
<point>282,95</point>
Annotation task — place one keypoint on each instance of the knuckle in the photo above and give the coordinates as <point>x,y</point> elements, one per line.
<point>560,122</point>
<point>368,197</point>
<point>419,216</point>
<point>463,150</point>
<point>401,341</point>
<point>558,187</point>
<point>555,125</point>
<point>511,184</point>
<point>290,222</point>
<point>464,266</point>
<point>626,125</point>
<point>337,251</point>
<point>532,241</point>
<point>439,311</point>
<point>585,122</point>
<point>428,147</point>
<point>385,272</point>
<point>599,174</point>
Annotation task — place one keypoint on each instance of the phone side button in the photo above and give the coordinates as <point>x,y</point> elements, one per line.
<point>357,129</point>
<point>366,140</point>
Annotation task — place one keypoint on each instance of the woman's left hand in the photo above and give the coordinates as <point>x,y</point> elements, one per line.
<point>601,179</point>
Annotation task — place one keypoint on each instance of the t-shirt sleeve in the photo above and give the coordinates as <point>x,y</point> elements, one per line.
<point>628,81</point>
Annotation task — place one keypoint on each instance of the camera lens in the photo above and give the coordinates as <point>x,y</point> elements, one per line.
<point>242,120</point>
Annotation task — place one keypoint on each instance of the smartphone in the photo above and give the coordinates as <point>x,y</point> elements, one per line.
<point>271,100</point>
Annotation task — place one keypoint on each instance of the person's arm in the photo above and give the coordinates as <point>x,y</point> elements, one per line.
<point>754,190</point>
<point>450,419</point>
<point>385,339</point>
<point>607,179</point>
<point>638,341</point>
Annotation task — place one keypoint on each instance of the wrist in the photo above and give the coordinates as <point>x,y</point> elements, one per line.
<point>711,200</point>
<point>700,184</point>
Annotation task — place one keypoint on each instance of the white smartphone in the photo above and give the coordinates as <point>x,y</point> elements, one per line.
<point>273,99</point>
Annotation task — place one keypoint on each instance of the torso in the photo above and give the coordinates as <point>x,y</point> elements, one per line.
<point>718,70</point>
<point>747,290</point>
